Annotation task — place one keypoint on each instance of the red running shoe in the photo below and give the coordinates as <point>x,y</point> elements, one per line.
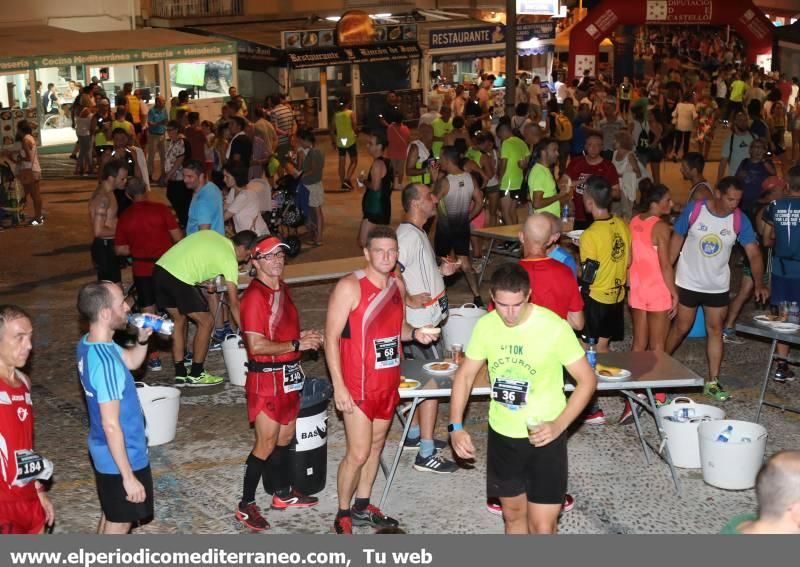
<point>569,503</point>
<point>294,500</point>
<point>343,525</point>
<point>251,517</point>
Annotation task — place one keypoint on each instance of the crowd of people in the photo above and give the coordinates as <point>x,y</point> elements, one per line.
<point>587,158</point>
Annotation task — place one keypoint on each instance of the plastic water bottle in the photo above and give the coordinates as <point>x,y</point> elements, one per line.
<point>725,435</point>
<point>794,313</point>
<point>565,213</point>
<point>591,354</point>
<point>148,321</point>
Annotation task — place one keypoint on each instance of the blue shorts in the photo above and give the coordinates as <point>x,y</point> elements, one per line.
<point>784,289</point>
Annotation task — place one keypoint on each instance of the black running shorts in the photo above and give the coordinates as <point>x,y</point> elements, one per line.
<point>172,293</point>
<point>690,298</point>
<point>603,320</point>
<point>105,260</point>
<point>114,500</point>
<point>515,466</point>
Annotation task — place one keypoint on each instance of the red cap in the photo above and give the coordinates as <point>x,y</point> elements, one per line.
<point>268,246</point>
<point>772,182</point>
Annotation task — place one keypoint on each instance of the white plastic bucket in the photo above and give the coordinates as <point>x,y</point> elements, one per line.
<point>735,464</point>
<point>160,405</point>
<point>235,356</point>
<point>682,440</point>
<point>460,322</point>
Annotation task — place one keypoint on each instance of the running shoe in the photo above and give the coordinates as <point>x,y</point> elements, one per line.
<point>294,500</point>
<point>187,358</point>
<point>372,516</point>
<point>205,379</point>
<point>215,346</point>
<point>783,373</point>
<point>729,336</point>
<point>435,463</point>
<point>493,506</point>
<point>38,221</point>
<point>715,391</point>
<point>251,517</point>
<point>410,443</point>
<point>627,413</point>
<point>154,365</point>
<point>596,417</point>
<point>343,525</point>
<point>568,504</point>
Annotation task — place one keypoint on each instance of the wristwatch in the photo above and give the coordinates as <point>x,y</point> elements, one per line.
<point>296,345</point>
<point>454,427</point>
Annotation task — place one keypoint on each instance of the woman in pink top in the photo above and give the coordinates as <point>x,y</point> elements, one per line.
<point>398,135</point>
<point>653,296</point>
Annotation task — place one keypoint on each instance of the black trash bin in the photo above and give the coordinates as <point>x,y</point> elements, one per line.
<point>309,451</point>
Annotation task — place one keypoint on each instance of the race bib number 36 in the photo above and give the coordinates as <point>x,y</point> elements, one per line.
<point>387,352</point>
<point>293,377</point>
<point>511,393</point>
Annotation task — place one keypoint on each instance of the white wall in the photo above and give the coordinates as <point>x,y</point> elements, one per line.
<point>78,15</point>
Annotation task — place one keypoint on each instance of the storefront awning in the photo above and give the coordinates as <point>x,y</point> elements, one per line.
<point>358,54</point>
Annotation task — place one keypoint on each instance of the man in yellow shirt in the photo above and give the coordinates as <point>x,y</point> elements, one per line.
<point>526,348</point>
<point>442,126</point>
<point>606,256</point>
<point>738,88</point>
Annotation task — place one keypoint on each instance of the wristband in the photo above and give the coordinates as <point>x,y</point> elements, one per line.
<point>145,343</point>
<point>453,427</point>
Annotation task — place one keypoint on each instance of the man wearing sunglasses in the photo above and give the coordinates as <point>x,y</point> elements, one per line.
<point>274,341</point>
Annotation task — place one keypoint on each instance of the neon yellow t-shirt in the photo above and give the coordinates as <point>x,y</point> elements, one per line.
<point>513,150</point>
<point>345,135</point>
<point>609,242</point>
<point>200,257</point>
<point>541,179</point>
<point>535,351</point>
<point>738,88</point>
<point>440,130</point>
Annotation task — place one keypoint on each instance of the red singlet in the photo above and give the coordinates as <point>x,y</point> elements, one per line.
<point>370,342</point>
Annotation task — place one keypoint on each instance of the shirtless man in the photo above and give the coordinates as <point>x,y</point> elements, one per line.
<point>103,216</point>
<point>123,152</point>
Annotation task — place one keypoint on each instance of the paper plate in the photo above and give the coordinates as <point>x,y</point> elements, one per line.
<point>409,384</point>
<point>575,235</point>
<point>765,320</point>
<point>782,327</point>
<point>431,367</point>
<point>623,375</point>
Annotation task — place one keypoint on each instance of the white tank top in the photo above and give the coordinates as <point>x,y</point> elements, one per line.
<point>493,181</point>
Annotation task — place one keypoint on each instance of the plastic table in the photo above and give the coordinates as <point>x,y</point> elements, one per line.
<point>505,233</point>
<point>769,333</point>
<point>650,371</point>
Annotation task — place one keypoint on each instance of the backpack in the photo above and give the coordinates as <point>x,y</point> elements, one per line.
<point>563,127</point>
<point>698,207</point>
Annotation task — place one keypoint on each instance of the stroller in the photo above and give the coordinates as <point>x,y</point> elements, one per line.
<point>287,213</point>
<point>12,197</point>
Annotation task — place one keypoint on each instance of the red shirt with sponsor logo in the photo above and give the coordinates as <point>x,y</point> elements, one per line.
<point>16,434</point>
<point>272,314</point>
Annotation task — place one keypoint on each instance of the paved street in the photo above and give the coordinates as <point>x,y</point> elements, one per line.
<point>198,477</point>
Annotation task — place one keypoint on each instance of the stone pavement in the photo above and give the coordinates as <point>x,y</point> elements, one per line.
<point>198,476</point>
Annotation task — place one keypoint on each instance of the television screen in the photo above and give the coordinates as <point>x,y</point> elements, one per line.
<point>191,74</point>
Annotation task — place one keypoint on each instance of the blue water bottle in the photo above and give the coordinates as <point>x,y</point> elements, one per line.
<point>591,354</point>
<point>565,213</point>
<point>725,435</point>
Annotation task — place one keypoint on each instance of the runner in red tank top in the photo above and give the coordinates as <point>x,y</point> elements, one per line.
<point>24,507</point>
<point>275,381</point>
<point>364,328</point>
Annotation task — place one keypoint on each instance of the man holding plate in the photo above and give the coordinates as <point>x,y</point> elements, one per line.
<point>426,307</point>
<point>526,348</point>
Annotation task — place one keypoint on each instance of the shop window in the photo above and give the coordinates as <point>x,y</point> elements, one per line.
<point>15,91</point>
<point>202,79</point>
<point>385,76</point>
